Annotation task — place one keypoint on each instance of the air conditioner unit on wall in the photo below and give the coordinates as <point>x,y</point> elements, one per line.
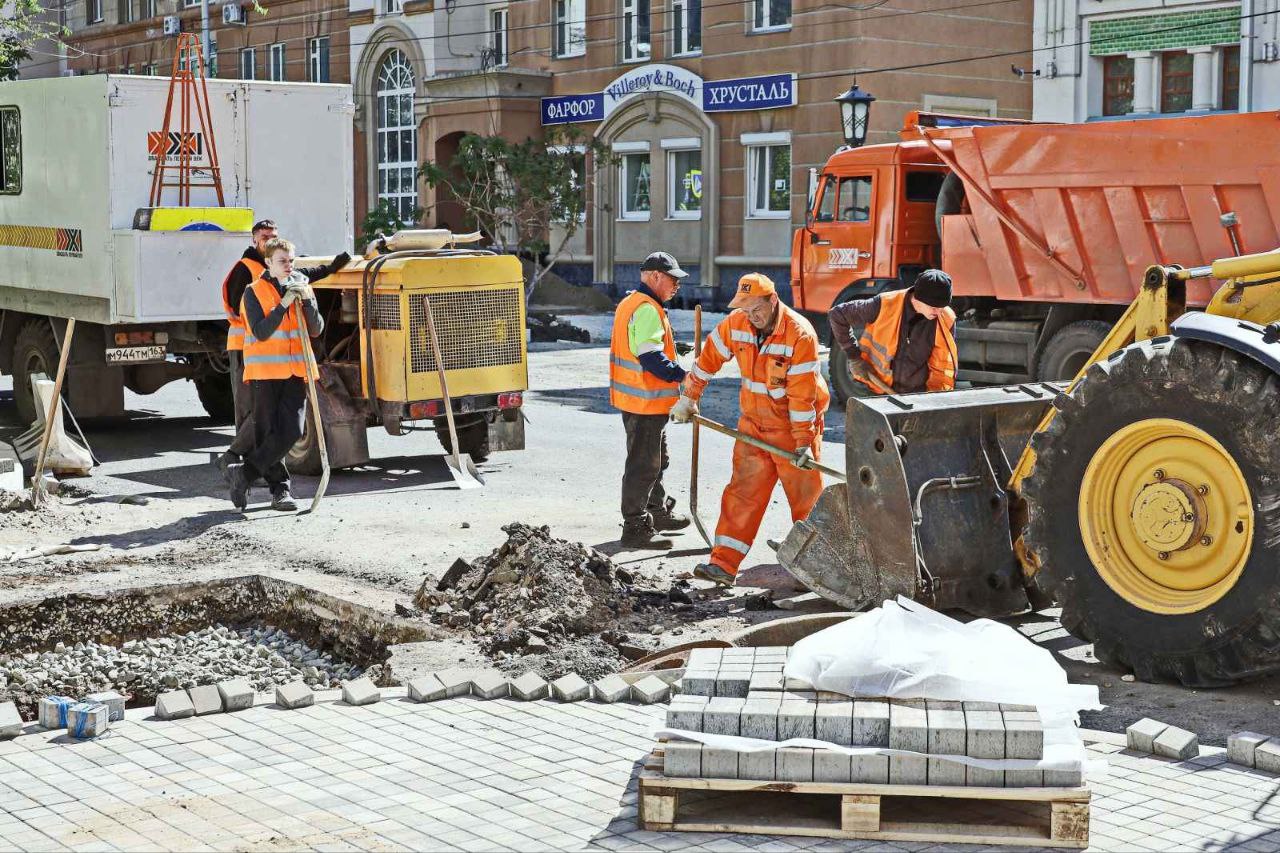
<point>233,14</point>
<point>172,25</point>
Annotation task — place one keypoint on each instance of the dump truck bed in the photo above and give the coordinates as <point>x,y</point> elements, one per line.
<point>1078,212</point>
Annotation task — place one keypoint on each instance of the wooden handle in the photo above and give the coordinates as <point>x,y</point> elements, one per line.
<point>444,384</point>
<point>37,487</point>
<point>766,447</point>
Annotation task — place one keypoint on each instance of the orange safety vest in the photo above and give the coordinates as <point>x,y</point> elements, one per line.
<point>235,334</point>
<point>631,389</point>
<point>279,356</point>
<point>879,344</point>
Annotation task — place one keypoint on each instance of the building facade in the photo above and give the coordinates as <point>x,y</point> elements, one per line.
<point>295,40</point>
<point>715,111</point>
<point>1107,59</point>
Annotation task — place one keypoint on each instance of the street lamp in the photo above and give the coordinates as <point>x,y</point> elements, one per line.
<point>855,108</point>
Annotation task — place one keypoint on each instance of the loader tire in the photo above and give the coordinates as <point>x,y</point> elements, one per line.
<point>1062,356</point>
<point>473,436</point>
<point>1158,422</point>
<point>842,384</point>
<point>304,457</point>
<point>34,351</point>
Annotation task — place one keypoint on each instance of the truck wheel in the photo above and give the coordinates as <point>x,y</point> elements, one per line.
<point>214,390</point>
<point>34,351</point>
<point>473,436</point>
<point>1066,352</point>
<point>841,383</point>
<point>304,457</point>
<point>1151,516</point>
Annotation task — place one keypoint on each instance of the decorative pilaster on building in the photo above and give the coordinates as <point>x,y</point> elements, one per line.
<point>1201,77</point>
<point>1144,82</point>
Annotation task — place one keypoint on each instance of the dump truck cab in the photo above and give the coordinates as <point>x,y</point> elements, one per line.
<point>870,225</point>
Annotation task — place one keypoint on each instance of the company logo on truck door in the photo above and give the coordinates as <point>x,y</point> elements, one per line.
<point>173,145</point>
<point>67,242</point>
<point>842,258</point>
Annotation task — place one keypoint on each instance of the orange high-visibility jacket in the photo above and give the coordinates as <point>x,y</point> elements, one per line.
<point>782,385</point>
<point>235,335</point>
<point>631,389</point>
<point>879,344</point>
<point>279,356</point>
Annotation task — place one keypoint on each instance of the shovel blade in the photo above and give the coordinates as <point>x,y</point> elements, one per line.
<point>465,473</point>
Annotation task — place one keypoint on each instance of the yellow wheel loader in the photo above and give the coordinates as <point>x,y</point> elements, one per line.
<point>1143,497</point>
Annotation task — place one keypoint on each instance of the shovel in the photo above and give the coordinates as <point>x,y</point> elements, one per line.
<point>463,469</point>
<point>768,448</point>
<point>37,481</point>
<point>693,464</point>
<point>313,376</point>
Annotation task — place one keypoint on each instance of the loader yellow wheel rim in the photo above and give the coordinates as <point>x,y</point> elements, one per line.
<point>1166,516</point>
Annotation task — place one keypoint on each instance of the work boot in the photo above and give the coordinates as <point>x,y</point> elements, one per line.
<point>224,462</point>
<point>641,535</point>
<point>282,501</point>
<point>239,485</point>
<point>715,574</point>
<point>665,518</point>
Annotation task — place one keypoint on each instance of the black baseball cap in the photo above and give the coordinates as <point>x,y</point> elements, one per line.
<point>663,262</point>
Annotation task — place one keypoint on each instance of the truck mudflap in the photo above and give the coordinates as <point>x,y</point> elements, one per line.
<point>925,513</point>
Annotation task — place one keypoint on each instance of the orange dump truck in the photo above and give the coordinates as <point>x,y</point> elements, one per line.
<point>1045,229</point>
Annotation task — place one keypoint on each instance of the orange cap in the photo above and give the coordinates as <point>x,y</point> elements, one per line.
<point>750,286</point>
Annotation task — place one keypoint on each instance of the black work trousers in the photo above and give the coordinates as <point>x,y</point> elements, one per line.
<point>243,397</point>
<point>642,490</point>
<point>279,416</point>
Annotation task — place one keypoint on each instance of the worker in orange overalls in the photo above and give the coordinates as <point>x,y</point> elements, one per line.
<point>783,401</point>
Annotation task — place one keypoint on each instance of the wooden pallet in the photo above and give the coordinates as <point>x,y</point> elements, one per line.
<point>1030,817</point>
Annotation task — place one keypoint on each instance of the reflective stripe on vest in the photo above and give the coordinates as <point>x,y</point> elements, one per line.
<point>631,388</point>
<point>281,355</point>
<point>235,334</point>
<point>879,344</point>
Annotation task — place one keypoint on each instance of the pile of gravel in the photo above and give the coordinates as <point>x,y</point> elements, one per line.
<point>145,668</point>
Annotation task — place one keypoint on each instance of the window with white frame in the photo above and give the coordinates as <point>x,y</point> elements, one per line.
<point>686,27</point>
<point>248,64</point>
<point>318,59</point>
<point>390,7</point>
<point>276,65</point>
<point>93,11</point>
<point>211,61</point>
<point>124,10</point>
<point>684,178</point>
<point>770,14</point>
<point>498,36</point>
<point>396,145</point>
<point>569,28</point>
<point>577,157</point>
<point>187,4</point>
<point>635,30</point>
<point>768,175</point>
<point>635,175</point>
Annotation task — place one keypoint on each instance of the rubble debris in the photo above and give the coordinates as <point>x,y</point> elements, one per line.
<point>263,657</point>
<point>546,327</point>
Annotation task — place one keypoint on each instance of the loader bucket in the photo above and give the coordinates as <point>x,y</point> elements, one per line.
<point>925,513</point>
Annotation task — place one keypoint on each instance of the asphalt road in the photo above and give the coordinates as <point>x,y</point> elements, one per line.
<point>386,525</point>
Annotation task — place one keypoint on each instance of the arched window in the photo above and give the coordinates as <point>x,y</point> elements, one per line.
<point>397,145</point>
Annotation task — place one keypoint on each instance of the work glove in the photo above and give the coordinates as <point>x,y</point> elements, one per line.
<point>683,348</point>
<point>684,410</point>
<point>289,297</point>
<point>339,262</point>
<point>804,457</point>
<point>859,371</point>
<point>302,291</point>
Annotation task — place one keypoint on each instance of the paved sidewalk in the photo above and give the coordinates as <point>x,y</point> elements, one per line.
<point>473,775</point>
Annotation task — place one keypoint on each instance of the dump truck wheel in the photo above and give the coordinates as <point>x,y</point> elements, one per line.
<point>1062,357</point>
<point>841,382</point>
<point>304,457</point>
<point>1152,512</point>
<point>34,351</point>
<point>214,391</point>
<point>473,436</point>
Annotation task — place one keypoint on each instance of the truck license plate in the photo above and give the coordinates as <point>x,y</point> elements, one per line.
<point>133,355</point>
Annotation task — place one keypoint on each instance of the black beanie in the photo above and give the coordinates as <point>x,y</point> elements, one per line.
<point>933,287</point>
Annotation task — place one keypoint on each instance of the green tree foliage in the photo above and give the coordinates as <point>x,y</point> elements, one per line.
<point>384,220</point>
<point>524,195</point>
<point>23,23</point>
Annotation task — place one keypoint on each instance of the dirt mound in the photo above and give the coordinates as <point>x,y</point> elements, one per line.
<point>554,292</point>
<point>550,605</point>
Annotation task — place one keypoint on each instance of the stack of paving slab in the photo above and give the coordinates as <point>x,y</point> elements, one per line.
<point>743,692</point>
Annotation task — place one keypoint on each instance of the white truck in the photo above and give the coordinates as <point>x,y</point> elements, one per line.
<point>75,166</point>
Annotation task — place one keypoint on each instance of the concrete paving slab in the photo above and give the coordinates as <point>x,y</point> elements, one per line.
<point>733,684</point>
<point>723,716</point>
<point>870,724</point>
<point>360,691</point>
<point>719,763</point>
<point>529,687</point>
<point>984,738</point>
<point>908,730</point>
<point>705,659</point>
<point>796,719</point>
<point>236,695</point>
<point>1177,743</point>
<point>834,723</point>
<point>570,688</point>
<point>426,688</point>
<point>682,758</point>
<point>294,695</point>
<point>649,690</point>
<point>794,764</point>
<point>206,699</point>
<point>174,705</point>
<point>457,682</point>
<point>698,682</point>
<point>113,700</point>
<point>490,684</point>
<point>829,766</point>
<point>873,769</point>
<point>87,720</point>
<point>1142,734</point>
<point>611,688</point>
<point>757,764</point>
<point>760,719</point>
<point>1241,746</point>
<point>946,737</point>
<point>1267,756</point>
<point>10,721</point>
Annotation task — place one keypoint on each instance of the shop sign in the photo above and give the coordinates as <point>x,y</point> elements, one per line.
<point>747,93</point>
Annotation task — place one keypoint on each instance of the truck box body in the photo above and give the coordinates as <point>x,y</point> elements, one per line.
<point>1107,200</point>
<point>67,246</point>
